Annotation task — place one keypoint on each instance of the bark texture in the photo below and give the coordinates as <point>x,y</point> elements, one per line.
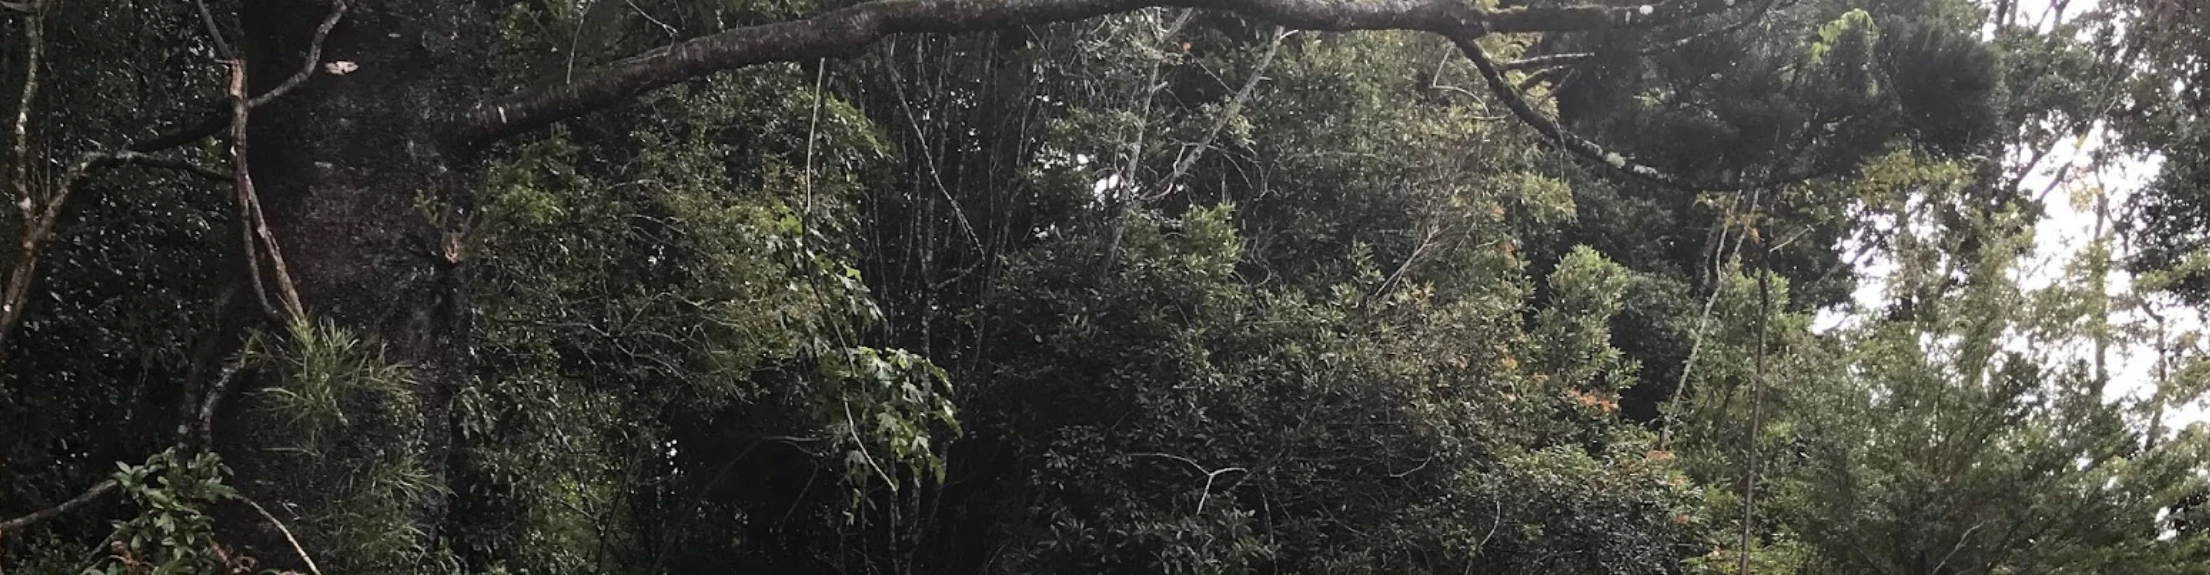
<point>344,165</point>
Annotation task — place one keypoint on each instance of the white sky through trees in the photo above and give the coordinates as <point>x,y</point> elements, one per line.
<point>2074,177</point>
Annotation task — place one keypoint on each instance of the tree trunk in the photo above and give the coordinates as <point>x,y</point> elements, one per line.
<point>355,169</point>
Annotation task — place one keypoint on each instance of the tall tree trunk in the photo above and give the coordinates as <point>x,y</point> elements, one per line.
<point>353,168</point>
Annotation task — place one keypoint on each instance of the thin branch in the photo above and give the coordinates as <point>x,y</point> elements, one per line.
<point>852,426</point>
<point>99,551</point>
<point>1210,474</point>
<point>1572,142</point>
<point>1961,539</point>
<point>287,534</point>
<point>1209,477</point>
<point>40,216</point>
<point>648,17</point>
<point>214,31</point>
<point>1591,151</point>
<point>813,133</point>
<point>34,39</point>
<point>1703,321</point>
<point>33,233</point>
<point>1125,192</point>
<point>89,495</point>
<point>1543,61</point>
<point>1227,114</point>
<point>1126,188</point>
<point>846,31</point>
<point>930,161</point>
<point>314,57</point>
<point>40,213</point>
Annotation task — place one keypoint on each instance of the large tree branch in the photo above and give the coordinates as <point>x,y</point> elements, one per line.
<point>1579,146</point>
<point>1549,128</point>
<point>844,32</point>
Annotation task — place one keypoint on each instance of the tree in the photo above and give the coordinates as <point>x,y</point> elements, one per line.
<point>362,136</point>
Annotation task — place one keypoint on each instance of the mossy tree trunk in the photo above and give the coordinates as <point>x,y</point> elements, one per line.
<point>358,172</point>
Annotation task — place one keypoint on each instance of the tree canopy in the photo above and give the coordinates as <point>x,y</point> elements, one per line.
<point>1104,286</point>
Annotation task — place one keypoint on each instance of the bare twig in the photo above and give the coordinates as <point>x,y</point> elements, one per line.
<point>1543,61</point>
<point>1961,539</point>
<point>649,17</point>
<point>1210,474</point>
<point>287,534</point>
<point>813,132</point>
<point>187,438</point>
<point>852,426</point>
<point>936,173</point>
<point>98,551</point>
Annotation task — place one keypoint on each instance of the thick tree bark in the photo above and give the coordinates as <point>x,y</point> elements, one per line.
<point>344,164</point>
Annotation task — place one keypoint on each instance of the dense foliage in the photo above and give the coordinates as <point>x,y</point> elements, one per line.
<point>1176,291</point>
